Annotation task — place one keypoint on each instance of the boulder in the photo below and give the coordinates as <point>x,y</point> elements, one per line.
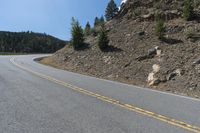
<point>177,72</point>
<point>159,53</point>
<point>152,52</point>
<point>152,79</point>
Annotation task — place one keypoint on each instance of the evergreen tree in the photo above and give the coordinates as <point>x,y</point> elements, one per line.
<point>29,42</point>
<point>160,27</point>
<point>87,30</point>
<point>188,9</point>
<point>77,39</point>
<point>103,38</point>
<point>102,20</point>
<point>96,21</point>
<point>111,10</point>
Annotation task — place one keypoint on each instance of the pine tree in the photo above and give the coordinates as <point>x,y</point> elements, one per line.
<point>188,9</point>
<point>77,39</point>
<point>103,38</point>
<point>102,20</point>
<point>87,30</point>
<point>96,21</point>
<point>111,10</point>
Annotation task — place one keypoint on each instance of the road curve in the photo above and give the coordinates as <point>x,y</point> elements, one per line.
<point>39,99</point>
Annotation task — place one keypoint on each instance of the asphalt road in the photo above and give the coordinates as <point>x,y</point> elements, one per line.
<point>39,99</point>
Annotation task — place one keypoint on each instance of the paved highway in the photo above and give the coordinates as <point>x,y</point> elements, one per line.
<point>39,99</point>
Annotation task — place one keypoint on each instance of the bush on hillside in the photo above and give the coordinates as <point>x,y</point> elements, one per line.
<point>190,32</point>
<point>188,12</point>
<point>160,27</point>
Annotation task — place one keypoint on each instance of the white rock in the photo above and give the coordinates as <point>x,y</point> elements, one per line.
<point>150,77</point>
<point>179,72</point>
<point>156,68</point>
<point>159,52</point>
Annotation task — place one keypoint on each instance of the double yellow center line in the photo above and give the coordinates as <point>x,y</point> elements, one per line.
<point>133,108</point>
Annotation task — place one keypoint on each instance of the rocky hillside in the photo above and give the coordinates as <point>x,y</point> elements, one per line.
<point>136,55</point>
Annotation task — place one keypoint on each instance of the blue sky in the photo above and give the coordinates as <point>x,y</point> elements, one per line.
<point>48,16</point>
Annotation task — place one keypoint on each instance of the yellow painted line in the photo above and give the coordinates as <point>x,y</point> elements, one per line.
<point>129,107</point>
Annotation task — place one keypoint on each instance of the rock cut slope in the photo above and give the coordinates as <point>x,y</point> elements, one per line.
<point>137,56</point>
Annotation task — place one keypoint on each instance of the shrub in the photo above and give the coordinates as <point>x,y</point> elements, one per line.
<point>160,27</point>
<point>190,32</point>
<point>188,10</point>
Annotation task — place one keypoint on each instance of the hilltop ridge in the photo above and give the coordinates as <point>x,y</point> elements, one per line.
<point>29,42</point>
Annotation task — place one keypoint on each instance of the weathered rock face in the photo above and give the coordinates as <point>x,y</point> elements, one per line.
<point>147,9</point>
